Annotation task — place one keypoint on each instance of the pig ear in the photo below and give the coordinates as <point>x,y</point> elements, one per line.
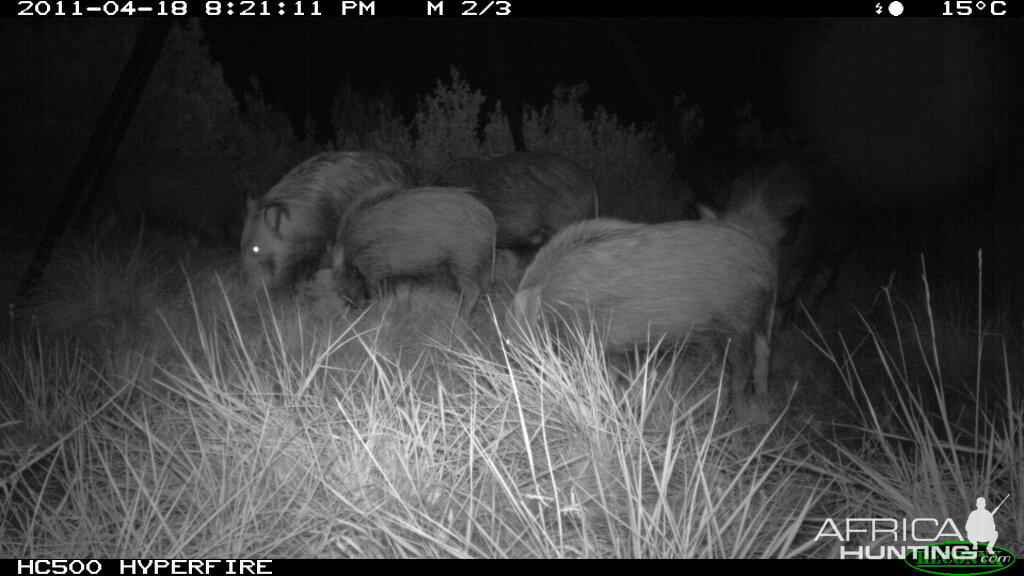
<point>273,216</point>
<point>526,305</point>
<point>707,213</point>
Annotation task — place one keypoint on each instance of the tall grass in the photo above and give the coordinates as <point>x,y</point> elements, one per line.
<point>923,440</point>
<point>242,443</point>
<point>300,428</point>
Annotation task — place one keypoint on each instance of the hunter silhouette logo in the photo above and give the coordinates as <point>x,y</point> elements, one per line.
<point>981,526</point>
<point>962,558</point>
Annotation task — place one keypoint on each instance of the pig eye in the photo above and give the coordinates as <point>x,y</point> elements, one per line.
<point>255,249</point>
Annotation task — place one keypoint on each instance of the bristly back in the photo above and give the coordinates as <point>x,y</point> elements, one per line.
<point>339,174</point>
<point>317,191</point>
<point>385,192</point>
<point>546,170</point>
<point>381,193</point>
<point>572,237</point>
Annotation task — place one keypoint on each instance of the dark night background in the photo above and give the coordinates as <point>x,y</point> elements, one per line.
<point>921,118</point>
<point>153,404</point>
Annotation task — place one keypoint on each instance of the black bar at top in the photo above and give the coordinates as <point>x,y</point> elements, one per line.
<point>243,9</point>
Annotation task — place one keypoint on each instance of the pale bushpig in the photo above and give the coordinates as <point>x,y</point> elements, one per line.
<point>642,284</point>
<point>442,235</point>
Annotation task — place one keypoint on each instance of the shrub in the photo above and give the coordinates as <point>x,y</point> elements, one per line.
<point>631,171</point>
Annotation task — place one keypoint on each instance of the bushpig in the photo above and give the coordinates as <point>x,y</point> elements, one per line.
<point>640,284</point>
<point>398,236</point>
<point>532,195</point>
<point>288,230</point>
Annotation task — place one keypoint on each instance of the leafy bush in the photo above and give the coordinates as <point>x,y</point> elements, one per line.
<point>632,172</point>
<point>188,110</point>
<point>188,116</point>
<point>450,125</point>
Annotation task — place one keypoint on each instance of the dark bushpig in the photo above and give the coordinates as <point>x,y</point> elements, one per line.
<point>289,229</point>
<point>789,200</point>
<point>532,195</point>
<point>399,236</point>
<point>640,284</point>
